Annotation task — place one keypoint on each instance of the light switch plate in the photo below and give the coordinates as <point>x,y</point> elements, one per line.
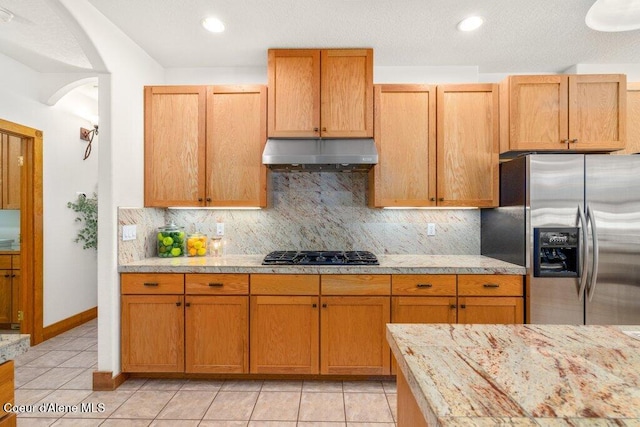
<point>431,229</point>
<point>128,232</point>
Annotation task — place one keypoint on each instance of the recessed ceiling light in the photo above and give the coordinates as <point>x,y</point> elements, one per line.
<point>471,23</point>
<point>5,15</point>
<point>213,24</point>
<point>614,15</point>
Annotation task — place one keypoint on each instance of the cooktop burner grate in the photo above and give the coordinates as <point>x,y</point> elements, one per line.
<point>320,258</point>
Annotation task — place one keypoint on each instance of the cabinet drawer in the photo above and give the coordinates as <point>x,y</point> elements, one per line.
<point>152,283</point>
<point>356,284</point>
<point>5,262</point>
<point>423,284</point>
<point>216,284</point>
<point>285,284</point>
<point>489,285</point>
<point>15,263</point>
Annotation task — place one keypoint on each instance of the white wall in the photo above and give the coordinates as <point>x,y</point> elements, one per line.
<point>631,70</point>
<point>121,161</point>
<point>68,269</point>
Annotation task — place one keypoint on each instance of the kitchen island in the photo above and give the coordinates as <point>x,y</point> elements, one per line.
<point>454,375</point>
<point>11,346</point>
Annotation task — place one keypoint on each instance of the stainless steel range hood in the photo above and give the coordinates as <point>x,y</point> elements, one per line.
<point>320,154</point>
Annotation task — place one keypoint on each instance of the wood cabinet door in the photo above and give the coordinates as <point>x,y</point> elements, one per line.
<point>217,334</point>
<point>346,93</point>
<point>633,124</point>
<point>353,335</point>
<point>16,281</point>
<point>597,112</point>
<point>294,93</point>
<point>490,310</point>
<point>423,310</point>
<point>284,334</point>
<point>5,296</point>
<point>174,145</point>
<point>236,134</point>
<point>467,145</point>
<point>405,136</point>
<point>152,336</point>
<point>537,110</point>
<point>11,171</point>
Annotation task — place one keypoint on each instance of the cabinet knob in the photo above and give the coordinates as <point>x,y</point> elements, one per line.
<point>463,306</point>
<point>150,284</point>
<point>199,199</point>
<point>314,305</point>
<point>208,199</point>
<point>178,304</point>
<point>324,305</point>
<point>324,129</point>
<point>433,199</point>
<point>453,306</point>
<point>187,304</point>
<point>424,285</point>
<point>441,199</point>
<point>573,141</point>
<point>316,129</point>
<point>13,275</point>
<point>6,275</point>
<point>491,285</point>
<point>564,141</point>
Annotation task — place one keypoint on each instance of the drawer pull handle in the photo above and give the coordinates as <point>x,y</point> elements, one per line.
<point>6,275</point>
<point>216,285</point>
<point>150,283</point>
<point>424,285</point>
<point>491,285</point>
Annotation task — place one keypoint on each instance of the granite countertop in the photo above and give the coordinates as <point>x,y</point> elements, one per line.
<point>389,264</point>
<point>521,374</point>
<point>13,345</point>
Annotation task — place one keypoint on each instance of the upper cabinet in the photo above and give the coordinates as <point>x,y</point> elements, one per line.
<point>559,112</point>
<point>10,170</point>
<point>203,146</point>
<point>633,120</point>
<point>320,93</point>
<point>405,135</point>
<point>467,145</point>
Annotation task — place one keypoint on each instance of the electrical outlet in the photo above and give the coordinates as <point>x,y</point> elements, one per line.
<point>431,229</point>
<point>128,232</point>
<point>220,229</point>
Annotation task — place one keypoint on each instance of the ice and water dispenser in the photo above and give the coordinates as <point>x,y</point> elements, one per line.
<point>556,252</point>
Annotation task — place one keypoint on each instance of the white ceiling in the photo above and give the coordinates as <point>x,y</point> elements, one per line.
<point>518,35</point>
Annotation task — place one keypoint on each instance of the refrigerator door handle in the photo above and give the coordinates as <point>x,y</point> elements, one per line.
<point>596,254</point>
<point>584,252</point>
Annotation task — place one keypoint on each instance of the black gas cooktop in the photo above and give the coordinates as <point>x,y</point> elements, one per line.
<point>320,258</point>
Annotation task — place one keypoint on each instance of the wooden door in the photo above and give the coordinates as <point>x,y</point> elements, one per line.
<point>174,146</point>
<point>405,136</point>
<point>353,335</point>
<point>152,337</point>
<point>346,93</point>
<point>284,334</point>
<point>633,123</point>
<point>16,280</point>
<point>236,134</point>
<point>535,113</point>
<point>5,296</point>
<point>490,310</point>
<point>12,160</point>
<point>216,334</point>
<point>294,92</point>
<point>467,145</point>
<point>597,112</point>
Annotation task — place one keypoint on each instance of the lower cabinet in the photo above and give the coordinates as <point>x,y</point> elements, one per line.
<point>493,299</point>
<point>355,309</point>
<point>152,333</point>
<point>284,323</point>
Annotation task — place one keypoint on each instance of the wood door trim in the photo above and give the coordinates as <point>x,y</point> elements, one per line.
<point>31,229</point>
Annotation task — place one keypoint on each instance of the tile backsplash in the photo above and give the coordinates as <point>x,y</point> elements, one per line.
<point>314,210</point>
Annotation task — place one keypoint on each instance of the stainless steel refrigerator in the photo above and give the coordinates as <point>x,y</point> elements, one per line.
<point>574,221</point>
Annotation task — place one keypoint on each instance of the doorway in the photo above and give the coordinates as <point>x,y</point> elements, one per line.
<point>31,229</point>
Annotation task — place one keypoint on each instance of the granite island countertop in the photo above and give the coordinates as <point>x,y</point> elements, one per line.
<point>13,345</point>
<point>520,374</point>
<point>389,264</point>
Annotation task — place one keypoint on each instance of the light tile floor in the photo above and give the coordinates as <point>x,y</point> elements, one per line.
<point>58,373</point>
